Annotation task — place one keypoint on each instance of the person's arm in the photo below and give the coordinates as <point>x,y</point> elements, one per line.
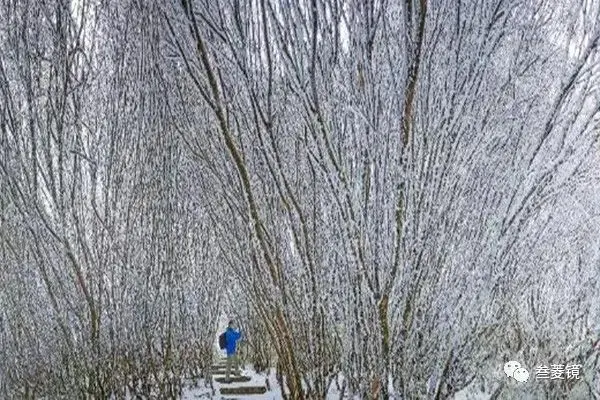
<point>238,335</point>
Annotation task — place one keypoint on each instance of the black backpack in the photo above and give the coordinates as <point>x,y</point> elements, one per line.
<point>222,341</point>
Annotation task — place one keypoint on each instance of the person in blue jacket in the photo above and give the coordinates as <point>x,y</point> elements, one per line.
<point>231,337</point>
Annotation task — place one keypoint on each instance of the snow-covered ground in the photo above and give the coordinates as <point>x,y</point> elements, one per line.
<point>256,380</point>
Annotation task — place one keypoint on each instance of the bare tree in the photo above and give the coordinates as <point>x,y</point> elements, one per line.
<point>95,205</point>
<point>394,163</point>
<point>397,193</point>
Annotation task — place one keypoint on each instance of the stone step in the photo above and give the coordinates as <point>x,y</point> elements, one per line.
<point>214,367</point>
<point>220,364</point>
<point>233,379</point>
<point>243,390</point>
<point>223,371</point>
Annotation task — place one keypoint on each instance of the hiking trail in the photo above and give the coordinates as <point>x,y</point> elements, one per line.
<point>239,384</point>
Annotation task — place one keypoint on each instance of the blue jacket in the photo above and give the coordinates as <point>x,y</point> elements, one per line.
<point>231,337</point>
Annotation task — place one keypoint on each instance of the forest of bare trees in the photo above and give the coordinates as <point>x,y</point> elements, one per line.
<point>393,197</point>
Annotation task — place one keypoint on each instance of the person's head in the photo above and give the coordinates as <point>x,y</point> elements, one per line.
<point>231,324</point>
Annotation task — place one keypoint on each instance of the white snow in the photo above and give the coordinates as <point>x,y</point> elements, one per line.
<point>256,380</point>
